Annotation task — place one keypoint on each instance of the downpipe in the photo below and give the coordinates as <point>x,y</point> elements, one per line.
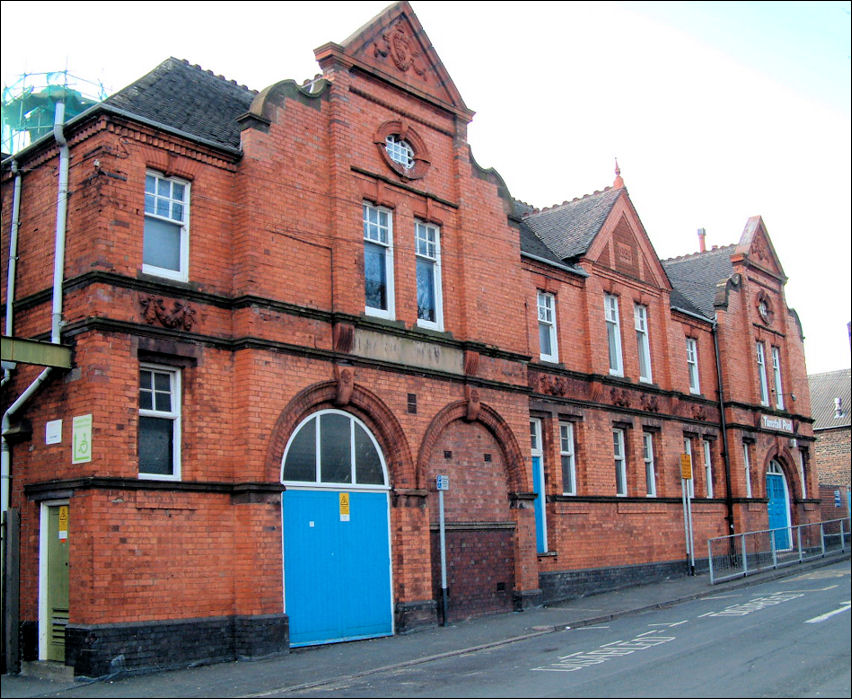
<point>13,262</point>
<point>726,457</point>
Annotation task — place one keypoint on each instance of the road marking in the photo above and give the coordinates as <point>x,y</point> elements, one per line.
<point>608,651</point>
<point>671,624</point>
<point>583,628</point>
<point>756,604</point>
<point>828,615</point>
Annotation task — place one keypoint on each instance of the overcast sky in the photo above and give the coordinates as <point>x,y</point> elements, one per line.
<point>715,111</point>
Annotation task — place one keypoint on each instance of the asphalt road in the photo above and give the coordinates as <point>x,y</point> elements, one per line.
<point>785,638</point>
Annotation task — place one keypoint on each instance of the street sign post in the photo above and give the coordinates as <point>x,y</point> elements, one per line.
<point>442,484</point>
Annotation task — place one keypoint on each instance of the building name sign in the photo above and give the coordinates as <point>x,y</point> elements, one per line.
<point>401,350</point>
<point>770,422</point>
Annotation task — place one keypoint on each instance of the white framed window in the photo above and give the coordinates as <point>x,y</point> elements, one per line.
<point>334,448</point>
<point>620,462</point>
<point>648,457</point>
<point>747,466</point>
<point>613,335</point>
<point>643,346</point>
<point>400,151</point>
<point>692,364</point>
<point>165,239</point>
<point>690,483</point>
<point>776,374</point>
<point>761,373</point>
<point>427,240</point>
<point>547,327</point>
<point>708,467</point>
<point>378,261</point>
<point>159,429</point>
<point>566,454</point>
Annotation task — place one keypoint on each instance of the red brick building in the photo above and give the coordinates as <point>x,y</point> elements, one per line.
<point>831,395</point>
<point>289,311</point>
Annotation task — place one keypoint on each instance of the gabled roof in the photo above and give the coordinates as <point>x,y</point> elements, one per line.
<point>568,229</point>
<point>825,388</point>
<point>189,99</point>
<point>694,277</point>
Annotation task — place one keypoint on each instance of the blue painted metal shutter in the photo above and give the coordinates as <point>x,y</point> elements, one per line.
<point>538,488</point>
<point>336,573</point>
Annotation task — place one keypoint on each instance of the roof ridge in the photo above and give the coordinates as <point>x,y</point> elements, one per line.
<point>215,75</point>
<point>555,207</point>
<point>690,255</point>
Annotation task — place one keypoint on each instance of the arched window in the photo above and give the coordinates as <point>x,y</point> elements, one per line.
<point>333,448</point>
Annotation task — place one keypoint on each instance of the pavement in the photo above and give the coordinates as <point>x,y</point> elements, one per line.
<point>304,668</point>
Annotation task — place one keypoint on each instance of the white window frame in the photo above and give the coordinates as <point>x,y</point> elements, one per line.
<point>181,274</point>
<point>761,373</point>
<point>708,466</point>
<point>747,465</point>
<point>400,151</point>
<point>546,303</point>
<point>373,230</point>
<point>620,458</point>
<point>567,457</point>
<point>692,365</point>
<point>429,250</point>
<point>776,374</point>
<point>643,346</point>
<point>650,468</point>
<point>613,333</point>
<point>175,415</point>
<point>690,482</point>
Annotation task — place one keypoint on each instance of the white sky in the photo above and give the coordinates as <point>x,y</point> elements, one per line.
<point>715,111</point>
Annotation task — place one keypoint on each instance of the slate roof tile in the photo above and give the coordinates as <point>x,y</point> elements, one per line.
<point>695,277</point>
<point>825,387</point>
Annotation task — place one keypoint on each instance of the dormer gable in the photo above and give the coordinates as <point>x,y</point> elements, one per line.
<point>394,48</point>
<point>755,249</point>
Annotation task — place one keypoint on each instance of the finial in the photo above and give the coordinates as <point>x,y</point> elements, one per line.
<point>619,183</point>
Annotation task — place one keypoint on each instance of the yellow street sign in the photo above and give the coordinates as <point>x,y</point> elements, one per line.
<point>685,466</point>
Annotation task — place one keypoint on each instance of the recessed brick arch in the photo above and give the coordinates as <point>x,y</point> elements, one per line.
<point>491,420</point>
<point>785,459</point>
<point>364,405</point>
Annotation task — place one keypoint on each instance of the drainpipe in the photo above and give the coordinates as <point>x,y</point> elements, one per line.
<point>729,500</point>
<point>13,260</point>
<point>56,313</point>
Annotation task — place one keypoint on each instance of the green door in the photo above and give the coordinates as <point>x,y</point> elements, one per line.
<point>57,581</point>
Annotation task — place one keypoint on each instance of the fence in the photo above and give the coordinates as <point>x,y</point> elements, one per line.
<point>744,554</point>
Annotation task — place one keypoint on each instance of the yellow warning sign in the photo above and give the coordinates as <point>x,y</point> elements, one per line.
<point>685,466</point>
<point>344,507</point>
<point>63,522</point>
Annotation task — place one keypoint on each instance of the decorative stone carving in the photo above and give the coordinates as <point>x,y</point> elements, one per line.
<point>620,397</point>
<point>345,376</point>
<point>398,43</point>
<point>471,362</point>
<point>650,403</point>
<point>471,395</point>
<point>698,412</point>
<point>343,335</point>
<point>181,316</point>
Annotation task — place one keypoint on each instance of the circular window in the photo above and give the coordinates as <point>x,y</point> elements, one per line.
<point>400,151</point>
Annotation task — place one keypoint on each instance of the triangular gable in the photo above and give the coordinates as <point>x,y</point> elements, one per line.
<point>394,46</point>
<point>622,244</point>
<point>756,248</point>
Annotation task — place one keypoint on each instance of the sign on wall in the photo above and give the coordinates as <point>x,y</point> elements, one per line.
<point>81,429</point>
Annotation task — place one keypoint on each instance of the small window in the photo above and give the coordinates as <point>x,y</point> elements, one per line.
<point>708,467</point>
<point>643,347</point>
<point>761,374</point>
<point>333,448</point>
<point>165,244</point>
<point>648,458</point>
<point>400,151</point>
<point>620,462</point>
<point>159,428</point>
<point>692,365</point>
<point>776,374</point>
<point>566,453</point>
<point>547,327</point>
<point>613,334</point>
<point>378,261</point>
<point>429,296</point>
<point>747,466</point>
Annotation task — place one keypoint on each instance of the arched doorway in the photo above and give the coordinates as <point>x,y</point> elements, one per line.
<point>779,505</point>
<point>335,516</point>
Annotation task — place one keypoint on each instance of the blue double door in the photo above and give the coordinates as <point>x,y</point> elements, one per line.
<point>779,511</point>
<point>337,567</point>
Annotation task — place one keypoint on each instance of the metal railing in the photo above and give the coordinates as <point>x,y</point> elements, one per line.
<point>744,554</point>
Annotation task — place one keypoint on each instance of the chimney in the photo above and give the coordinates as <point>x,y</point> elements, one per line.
<point>702,234</point>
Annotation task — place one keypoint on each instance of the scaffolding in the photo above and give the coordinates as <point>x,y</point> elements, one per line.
<point>29,105</point>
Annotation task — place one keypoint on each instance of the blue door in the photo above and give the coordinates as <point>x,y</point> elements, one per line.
<point>779,516</point>
<point>336,565</point>
<point>540,522</point>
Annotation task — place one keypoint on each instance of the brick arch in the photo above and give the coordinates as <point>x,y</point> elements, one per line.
<point>493,422</point>
<point>785,459</point>
<point>364,405</point>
